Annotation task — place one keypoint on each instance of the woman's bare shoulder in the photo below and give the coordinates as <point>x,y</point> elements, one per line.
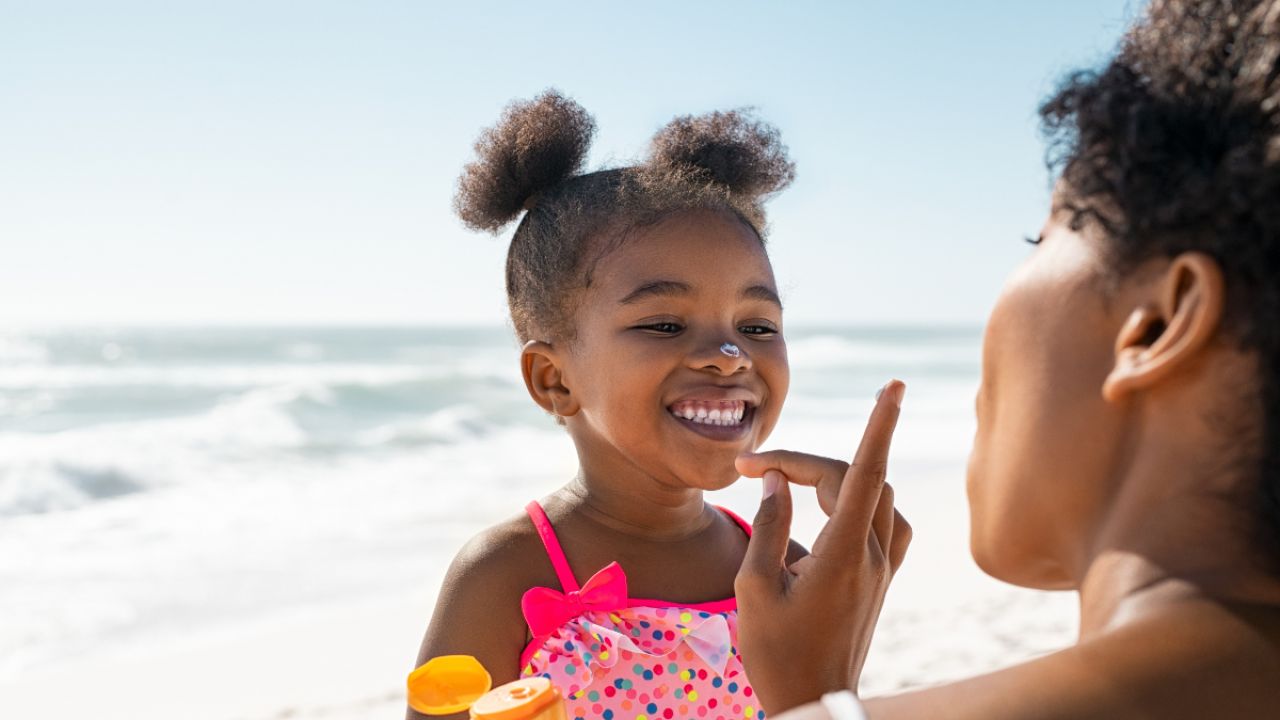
<point>1196,660</point>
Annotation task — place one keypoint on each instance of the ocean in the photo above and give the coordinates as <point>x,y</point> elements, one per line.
<point>158,484</point>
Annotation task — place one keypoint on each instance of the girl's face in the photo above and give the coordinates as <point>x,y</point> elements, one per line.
<point>656,391</point>
<point>1046,439</point>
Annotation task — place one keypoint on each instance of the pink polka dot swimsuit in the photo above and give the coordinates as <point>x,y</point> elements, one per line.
<point>621,658</point>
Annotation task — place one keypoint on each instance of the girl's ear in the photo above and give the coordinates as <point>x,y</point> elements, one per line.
<point>1171,326</point>
<point>543,368</point>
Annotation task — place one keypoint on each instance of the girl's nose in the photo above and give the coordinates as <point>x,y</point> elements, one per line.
<point>726,358</point>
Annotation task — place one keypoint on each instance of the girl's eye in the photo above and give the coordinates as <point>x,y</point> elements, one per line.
<point>758,330</point>
<point>662,328</point>
<point>1034,240</point>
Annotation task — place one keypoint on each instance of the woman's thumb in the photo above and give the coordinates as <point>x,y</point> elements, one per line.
<point>770,531</point>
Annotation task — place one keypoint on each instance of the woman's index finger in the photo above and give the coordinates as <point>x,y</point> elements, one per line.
<point>872,456</point>
<point>860,491</point>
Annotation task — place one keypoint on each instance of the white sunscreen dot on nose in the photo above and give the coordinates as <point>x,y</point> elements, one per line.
<point>730,349</point>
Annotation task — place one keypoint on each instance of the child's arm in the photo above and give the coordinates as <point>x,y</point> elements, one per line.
<point>478,610</point>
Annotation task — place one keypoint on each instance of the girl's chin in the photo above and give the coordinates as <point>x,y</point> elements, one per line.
<point>711,483</point>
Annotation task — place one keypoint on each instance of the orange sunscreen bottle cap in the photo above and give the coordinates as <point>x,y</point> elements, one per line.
<point>447,684</point>
<point>519,700</point>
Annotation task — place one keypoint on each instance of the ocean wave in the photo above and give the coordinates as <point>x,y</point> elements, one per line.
<point>47,472</point>
<point>42,487</point>
<point>263,430</point>
<point>450,425</point>
<point>241,376</point>
<point>26,403</point>
<point>835,351</point>
<point>22,350</point>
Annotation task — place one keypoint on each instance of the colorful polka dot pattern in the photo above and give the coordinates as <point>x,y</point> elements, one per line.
<point>648,664</point>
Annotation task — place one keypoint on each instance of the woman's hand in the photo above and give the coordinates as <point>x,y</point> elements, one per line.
<point>804,629</point>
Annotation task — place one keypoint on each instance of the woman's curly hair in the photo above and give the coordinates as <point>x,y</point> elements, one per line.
<point>1174,146</point>
<point>532,160</point>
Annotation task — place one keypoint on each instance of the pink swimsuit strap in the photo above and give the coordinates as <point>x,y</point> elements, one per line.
<point>555,553</point>
<point>568,583</point>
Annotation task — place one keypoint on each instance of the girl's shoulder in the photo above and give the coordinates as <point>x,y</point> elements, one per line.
<point>506,556</point>
<point>477,611</point>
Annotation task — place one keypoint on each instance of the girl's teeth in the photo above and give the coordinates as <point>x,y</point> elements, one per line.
<point>723,413</point>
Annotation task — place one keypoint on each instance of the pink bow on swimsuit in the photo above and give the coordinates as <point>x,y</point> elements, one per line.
<point>546,609</point>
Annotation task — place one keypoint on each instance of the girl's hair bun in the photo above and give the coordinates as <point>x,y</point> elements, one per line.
<point>536,145</point>
<point>731,149</point>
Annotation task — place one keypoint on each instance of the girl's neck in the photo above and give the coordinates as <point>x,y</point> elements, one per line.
<point>641,508</point>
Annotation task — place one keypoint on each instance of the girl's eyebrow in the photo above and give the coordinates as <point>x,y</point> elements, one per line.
<point>656,288</point>
<point>762,292</point>
<point>660,288</point>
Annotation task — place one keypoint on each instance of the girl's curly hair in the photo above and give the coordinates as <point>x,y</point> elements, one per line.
<point>1174,146</point>
<point>532,159</point>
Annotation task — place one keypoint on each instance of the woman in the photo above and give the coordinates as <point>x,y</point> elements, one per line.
<point>1128,441</point>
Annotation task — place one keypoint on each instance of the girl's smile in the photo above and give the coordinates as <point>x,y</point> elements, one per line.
<point>718,418</point>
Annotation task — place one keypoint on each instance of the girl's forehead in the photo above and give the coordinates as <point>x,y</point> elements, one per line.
<point>693,248</point>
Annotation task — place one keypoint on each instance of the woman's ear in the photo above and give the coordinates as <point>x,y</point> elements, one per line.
<point>543,368</point>
<point>1171,325</point>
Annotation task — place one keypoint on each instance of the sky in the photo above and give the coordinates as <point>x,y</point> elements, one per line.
<point>182,163</point>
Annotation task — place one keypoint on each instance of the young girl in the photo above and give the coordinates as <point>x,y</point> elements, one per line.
<point>652,331</point>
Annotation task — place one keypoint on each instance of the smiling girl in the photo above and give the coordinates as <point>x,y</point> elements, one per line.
<point>652,331</point>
